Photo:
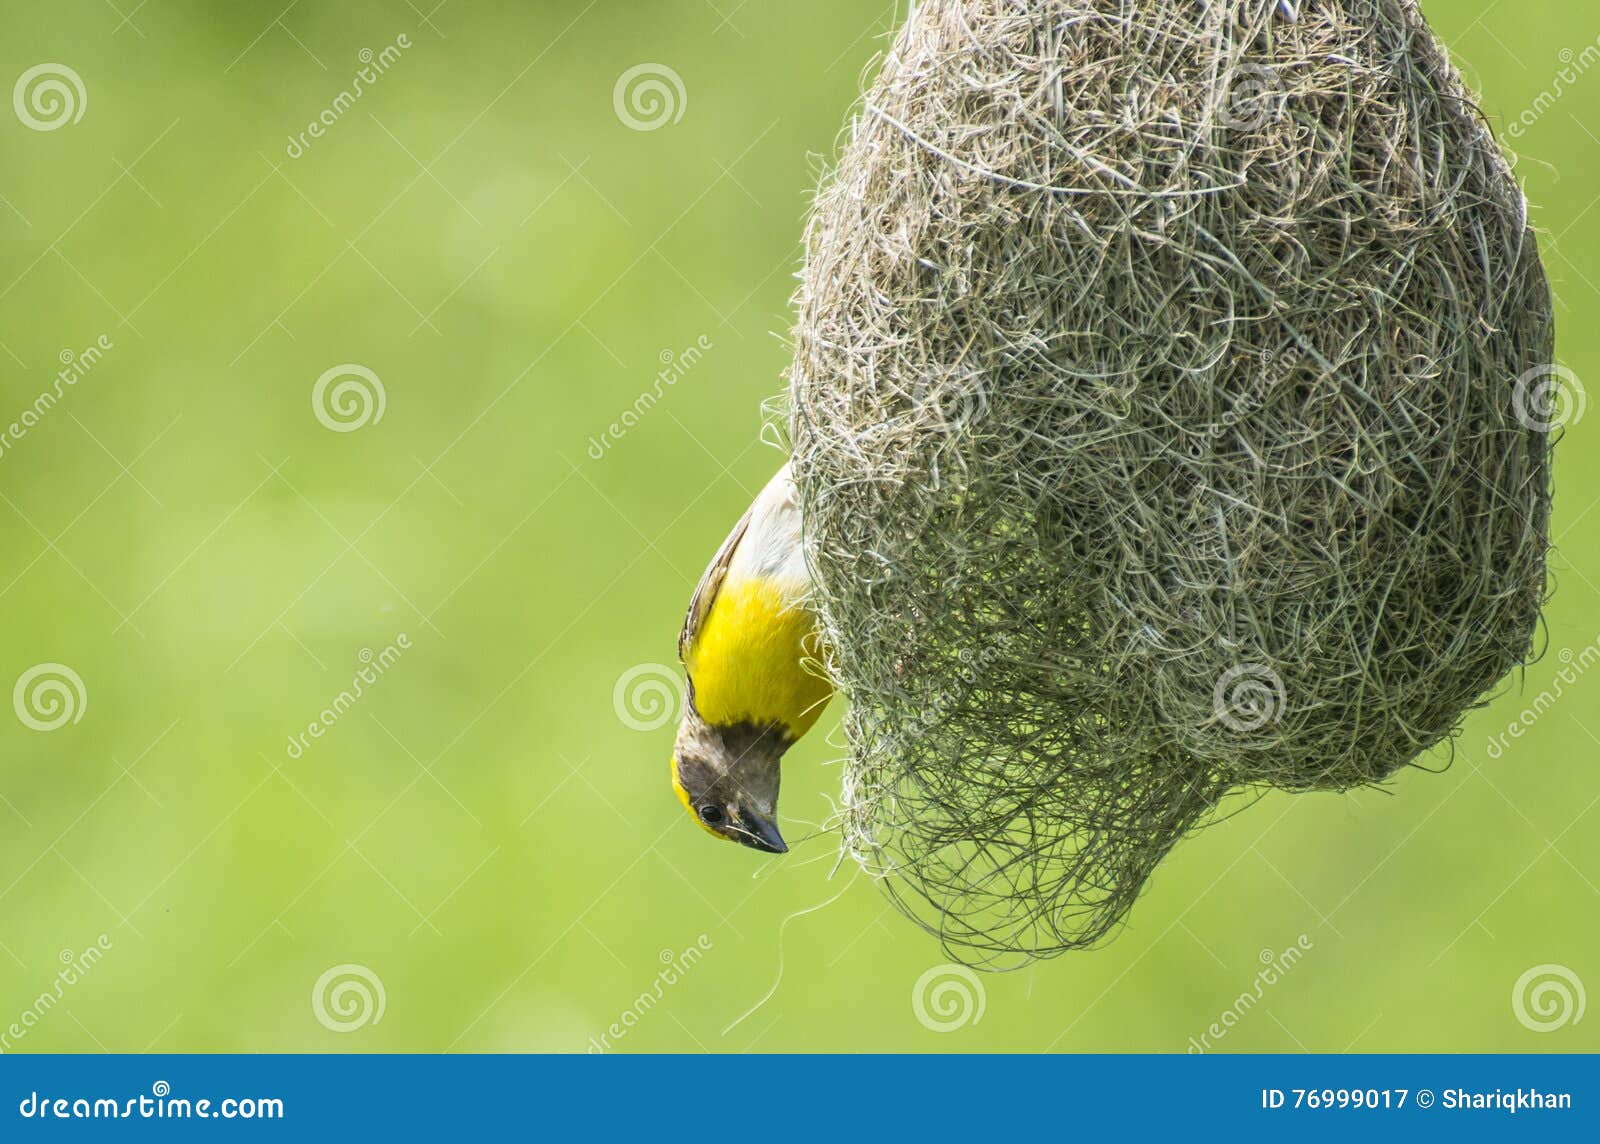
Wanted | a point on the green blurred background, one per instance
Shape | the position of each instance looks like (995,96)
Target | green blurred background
(482,831)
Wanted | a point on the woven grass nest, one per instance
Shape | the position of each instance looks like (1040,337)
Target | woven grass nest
(1165,414)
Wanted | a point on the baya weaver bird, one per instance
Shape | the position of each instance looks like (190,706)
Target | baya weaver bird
(749,644)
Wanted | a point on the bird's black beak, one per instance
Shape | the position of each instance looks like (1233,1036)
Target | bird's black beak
(758,833)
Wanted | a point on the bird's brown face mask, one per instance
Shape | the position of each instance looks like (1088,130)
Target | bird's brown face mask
(727,779)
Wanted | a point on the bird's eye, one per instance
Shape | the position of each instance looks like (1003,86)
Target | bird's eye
(711,815)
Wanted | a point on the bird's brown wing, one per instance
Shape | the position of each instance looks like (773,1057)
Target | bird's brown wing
(705,593)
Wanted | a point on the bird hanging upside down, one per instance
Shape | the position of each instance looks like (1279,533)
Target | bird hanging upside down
(749,644)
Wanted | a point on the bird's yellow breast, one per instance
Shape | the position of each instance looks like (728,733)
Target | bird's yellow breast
(748,662)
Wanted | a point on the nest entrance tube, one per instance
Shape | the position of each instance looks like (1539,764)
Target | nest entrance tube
(1165,414)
